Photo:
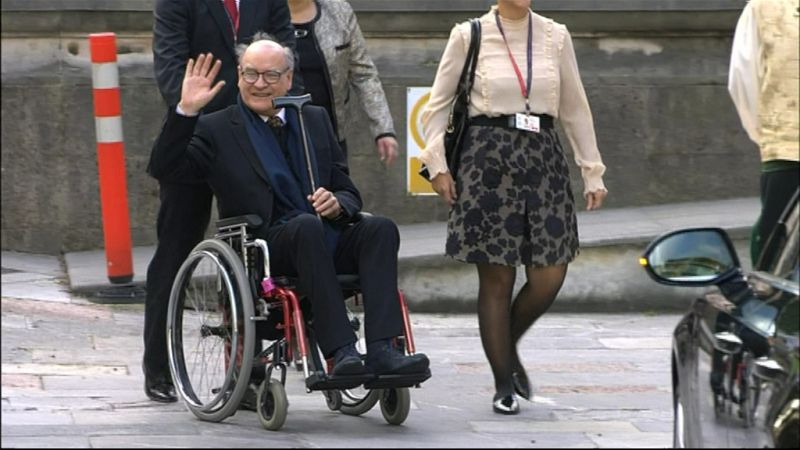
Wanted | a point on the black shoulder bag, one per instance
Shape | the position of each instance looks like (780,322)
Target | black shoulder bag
(459,111)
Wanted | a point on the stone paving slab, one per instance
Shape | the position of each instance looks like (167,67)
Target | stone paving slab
(28,418)
(130,429)
(88,383)
(46,442)
(519,426)
(71,373)
(65,369)
(39,277)
(31,263)
(631,440)
(189,441)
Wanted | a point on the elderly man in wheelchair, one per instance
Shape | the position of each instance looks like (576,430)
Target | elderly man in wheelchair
(290,209)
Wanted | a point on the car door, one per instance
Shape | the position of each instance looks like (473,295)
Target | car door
(745,357)
(716,346)
(735,354)
(769,327)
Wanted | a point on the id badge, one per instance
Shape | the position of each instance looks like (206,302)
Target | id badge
(527,122)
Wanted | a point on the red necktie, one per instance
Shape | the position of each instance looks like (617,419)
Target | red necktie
(233,12)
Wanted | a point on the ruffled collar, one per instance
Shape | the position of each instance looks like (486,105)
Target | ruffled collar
(510,23)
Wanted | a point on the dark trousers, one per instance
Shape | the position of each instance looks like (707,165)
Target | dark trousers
(368,248)
(777,189)
(182,221)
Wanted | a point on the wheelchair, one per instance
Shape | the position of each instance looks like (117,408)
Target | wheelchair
(224,305)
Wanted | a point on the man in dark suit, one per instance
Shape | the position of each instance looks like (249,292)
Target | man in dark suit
(184,29)
(313,234)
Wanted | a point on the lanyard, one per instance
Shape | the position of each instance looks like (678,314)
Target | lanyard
(525,88)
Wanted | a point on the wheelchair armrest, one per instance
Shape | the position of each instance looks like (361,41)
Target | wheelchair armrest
(251,220)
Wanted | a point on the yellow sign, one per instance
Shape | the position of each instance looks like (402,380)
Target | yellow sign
(416,98)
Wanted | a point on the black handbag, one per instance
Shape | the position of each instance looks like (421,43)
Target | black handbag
(459,111)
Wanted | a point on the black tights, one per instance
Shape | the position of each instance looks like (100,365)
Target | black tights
(502,323)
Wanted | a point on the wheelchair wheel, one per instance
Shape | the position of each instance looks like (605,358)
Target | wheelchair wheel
(272,404)
(210,337)
(395,405)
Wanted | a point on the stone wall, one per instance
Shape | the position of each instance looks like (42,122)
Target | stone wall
(654,70)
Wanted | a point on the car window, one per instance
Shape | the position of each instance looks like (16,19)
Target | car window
(757,313)
(775,289)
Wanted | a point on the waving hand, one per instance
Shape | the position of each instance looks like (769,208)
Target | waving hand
(197,89)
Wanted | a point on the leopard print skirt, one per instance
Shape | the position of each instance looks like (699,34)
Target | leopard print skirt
(514,205)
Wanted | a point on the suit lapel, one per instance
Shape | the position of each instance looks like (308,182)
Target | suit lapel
(223,21)
(241,136)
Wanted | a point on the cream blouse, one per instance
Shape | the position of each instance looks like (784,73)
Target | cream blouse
(556,88)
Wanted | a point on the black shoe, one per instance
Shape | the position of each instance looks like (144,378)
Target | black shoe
(347,361)
(384,359)
(521,384)
(505,404)
(160,389)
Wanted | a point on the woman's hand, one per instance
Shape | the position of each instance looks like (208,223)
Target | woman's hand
(387,149)
(594,199)
(444,185)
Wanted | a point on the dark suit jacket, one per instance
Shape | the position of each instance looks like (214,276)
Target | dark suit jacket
(216,148)
(185,28)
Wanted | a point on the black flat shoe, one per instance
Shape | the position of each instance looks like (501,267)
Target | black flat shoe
(160,390)
(347,361)
(384,359)
(521,385)
(505,404)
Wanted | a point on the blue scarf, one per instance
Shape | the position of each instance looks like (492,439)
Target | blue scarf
(289,179)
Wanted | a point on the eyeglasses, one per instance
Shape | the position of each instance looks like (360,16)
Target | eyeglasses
(270,76)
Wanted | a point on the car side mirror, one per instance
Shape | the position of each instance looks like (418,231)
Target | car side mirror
(691,257)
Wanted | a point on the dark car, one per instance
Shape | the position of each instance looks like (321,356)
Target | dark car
(735,354)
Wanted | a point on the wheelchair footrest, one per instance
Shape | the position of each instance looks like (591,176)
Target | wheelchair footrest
(397,381)
(319,382)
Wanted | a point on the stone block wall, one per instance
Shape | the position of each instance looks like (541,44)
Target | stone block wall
(655,72)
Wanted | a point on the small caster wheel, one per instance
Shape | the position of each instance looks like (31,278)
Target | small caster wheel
(272,404)
(333,398)
(395,404)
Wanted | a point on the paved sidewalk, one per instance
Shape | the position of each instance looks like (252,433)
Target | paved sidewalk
(71,372)
(71,378)
(604,277)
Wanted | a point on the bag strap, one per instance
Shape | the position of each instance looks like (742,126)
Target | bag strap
(468,72)
(472,55)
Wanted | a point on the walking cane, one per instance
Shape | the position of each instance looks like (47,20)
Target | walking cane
(297,102)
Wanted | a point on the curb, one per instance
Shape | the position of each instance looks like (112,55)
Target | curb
(605,277)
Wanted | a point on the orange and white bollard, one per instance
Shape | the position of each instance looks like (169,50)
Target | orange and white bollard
(111,157)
